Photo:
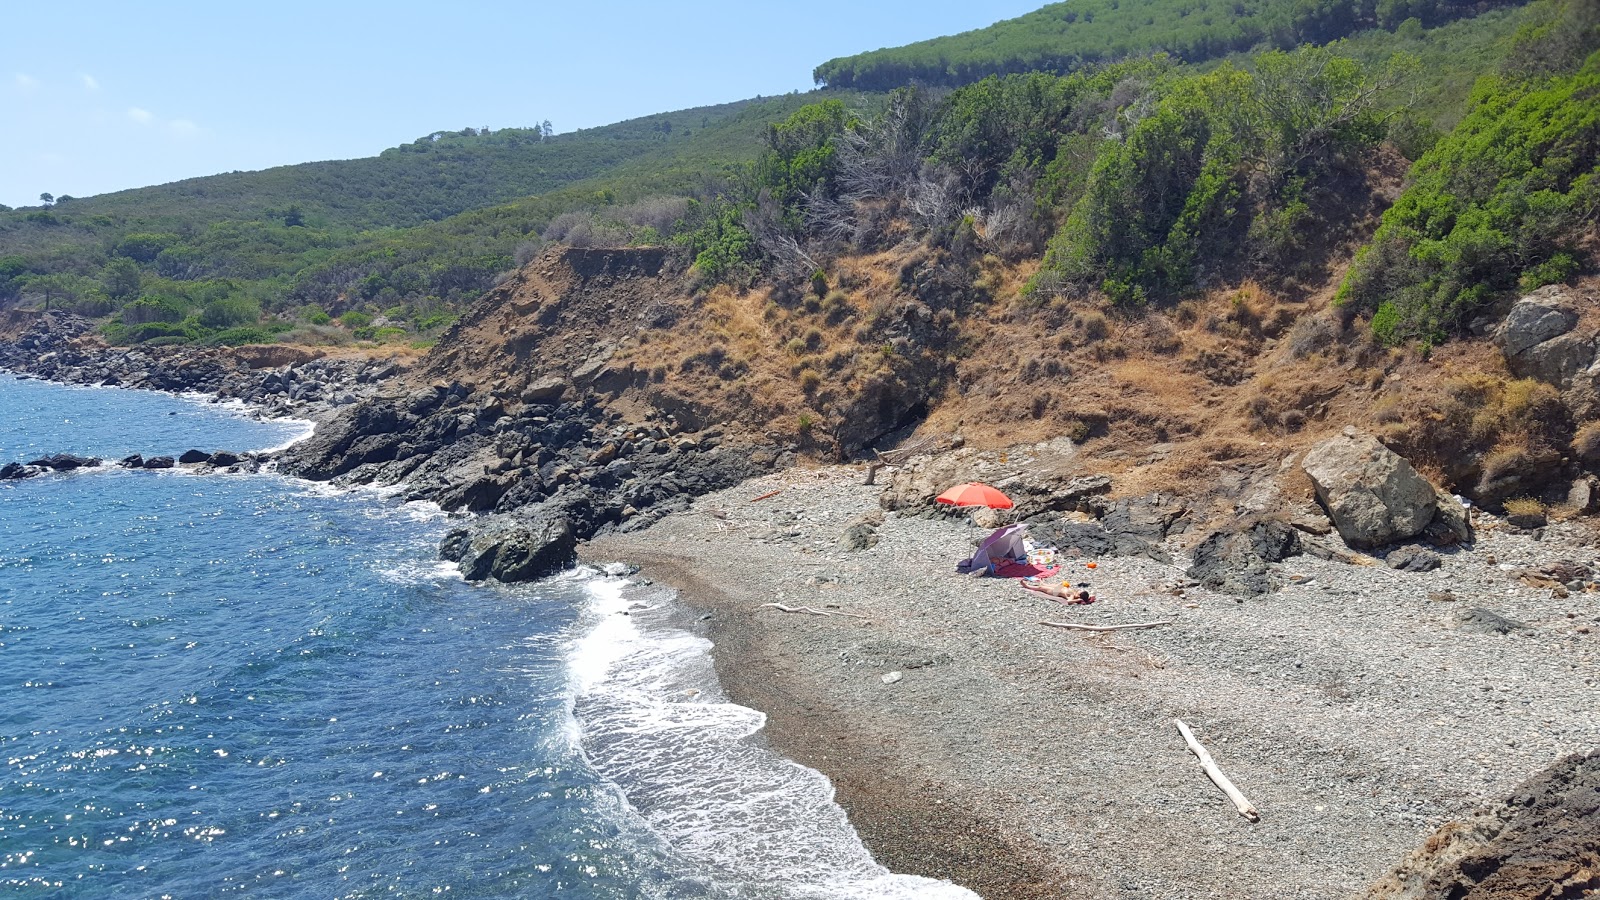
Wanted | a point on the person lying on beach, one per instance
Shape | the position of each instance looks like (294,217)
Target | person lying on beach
(1063,592)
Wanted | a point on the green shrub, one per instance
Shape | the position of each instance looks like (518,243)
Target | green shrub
(1555,270)
(355,320)
(1501,202)
(233,313)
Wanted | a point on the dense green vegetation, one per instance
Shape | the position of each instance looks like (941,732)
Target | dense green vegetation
(1062,37)
(1501,203)
(301,239)
(1141,181)
(1147,181)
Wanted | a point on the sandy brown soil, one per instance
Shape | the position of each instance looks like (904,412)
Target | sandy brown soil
(1024,761)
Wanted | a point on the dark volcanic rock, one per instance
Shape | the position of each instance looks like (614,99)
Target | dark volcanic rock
(1542,841)
(190,457)
(132,462)
(1087,538)
(368,432)
(223,458)
(15,471)
(65,462)
(510,549)
(1138,525)
(160,462)
(1237,560)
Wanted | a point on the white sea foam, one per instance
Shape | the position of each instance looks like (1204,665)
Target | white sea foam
(653,720)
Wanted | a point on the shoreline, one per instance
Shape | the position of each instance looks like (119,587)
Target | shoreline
(1022,762)
(908,828)
(680,616)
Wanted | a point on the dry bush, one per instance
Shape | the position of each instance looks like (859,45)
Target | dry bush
(1262,415)
(1163,339)
(1525,506)
(1388,410)
(1220,366)
(1586,443)
(1039,404)
(1092,327)
(810,381)
(836,307)
(812,339)
(1311,334)
(659,213)
(526,251)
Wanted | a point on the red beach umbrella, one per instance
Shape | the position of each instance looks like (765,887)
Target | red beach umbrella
(975,494)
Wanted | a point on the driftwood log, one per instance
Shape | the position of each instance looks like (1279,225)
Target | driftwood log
(1245,807)
(1076,627)
(811,610)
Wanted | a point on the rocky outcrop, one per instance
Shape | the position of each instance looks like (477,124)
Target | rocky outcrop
(66,462)
(1539,341)
(1541,841)
(279,380)
(546,471)
(1238,558)
(15,471)
(511,549)
(1374,496)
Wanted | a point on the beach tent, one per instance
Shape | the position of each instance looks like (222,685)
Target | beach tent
(1005,543)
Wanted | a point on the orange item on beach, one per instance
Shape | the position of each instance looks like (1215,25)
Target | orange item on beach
(1091,565)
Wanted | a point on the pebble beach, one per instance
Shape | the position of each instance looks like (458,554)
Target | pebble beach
(1358,708)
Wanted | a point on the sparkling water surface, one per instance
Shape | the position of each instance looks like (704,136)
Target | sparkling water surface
(250,685)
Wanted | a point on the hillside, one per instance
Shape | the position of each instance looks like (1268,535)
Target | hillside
(1062,37)
(410,233)
(434,177)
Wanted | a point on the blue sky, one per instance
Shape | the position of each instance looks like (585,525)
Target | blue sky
(101,96)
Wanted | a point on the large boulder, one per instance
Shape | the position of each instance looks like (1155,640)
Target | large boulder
(511,549)
(15,471)
(1541,316)
(66,462)
(1539,340)
(1372,494)
(372,431)
(549,389)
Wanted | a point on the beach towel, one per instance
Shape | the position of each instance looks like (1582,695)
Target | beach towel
(1025,570)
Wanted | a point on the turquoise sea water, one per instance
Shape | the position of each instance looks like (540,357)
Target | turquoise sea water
(250,685)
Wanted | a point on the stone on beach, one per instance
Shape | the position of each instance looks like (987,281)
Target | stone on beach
(1373,495)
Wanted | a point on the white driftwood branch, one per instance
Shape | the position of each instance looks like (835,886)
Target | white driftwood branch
(811,610)
(1244,806)
(1076,627)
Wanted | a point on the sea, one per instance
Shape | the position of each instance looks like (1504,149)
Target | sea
(250,685)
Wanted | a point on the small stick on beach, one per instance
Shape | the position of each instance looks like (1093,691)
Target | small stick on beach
(812,610)
(1244,806)
(1076,627)
(766,495)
